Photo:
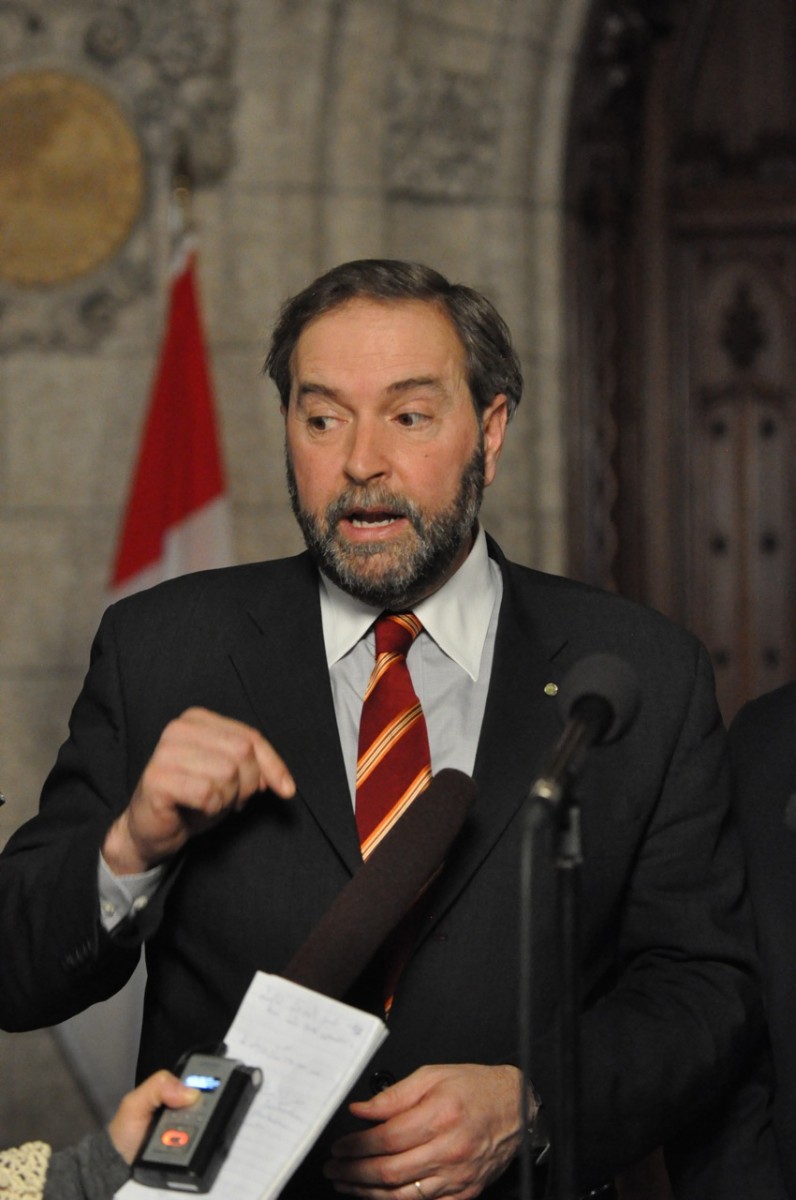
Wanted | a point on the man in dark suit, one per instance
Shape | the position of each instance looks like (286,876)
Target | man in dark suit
(763,757)
(212,756)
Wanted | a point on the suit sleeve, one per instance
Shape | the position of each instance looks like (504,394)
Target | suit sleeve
(763,756)
(55,957)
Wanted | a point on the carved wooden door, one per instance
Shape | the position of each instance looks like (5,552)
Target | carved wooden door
(683,260)
(739,380)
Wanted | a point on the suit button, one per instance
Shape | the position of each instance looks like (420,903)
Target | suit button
(380,1080)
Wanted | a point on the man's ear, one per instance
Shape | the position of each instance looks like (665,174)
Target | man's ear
(494,419)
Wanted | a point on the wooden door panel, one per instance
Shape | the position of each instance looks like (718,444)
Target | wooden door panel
(738,403)
(682,187)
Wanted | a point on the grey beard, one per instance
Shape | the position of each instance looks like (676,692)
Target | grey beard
(422,567)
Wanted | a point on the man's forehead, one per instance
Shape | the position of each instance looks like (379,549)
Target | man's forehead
(359,312)
(362,327)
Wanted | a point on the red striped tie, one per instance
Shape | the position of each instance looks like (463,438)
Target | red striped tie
(393,759)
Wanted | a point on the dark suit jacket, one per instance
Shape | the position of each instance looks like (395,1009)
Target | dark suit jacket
(763,756)
(668,982)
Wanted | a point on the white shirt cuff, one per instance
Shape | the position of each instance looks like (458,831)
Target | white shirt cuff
(122,895)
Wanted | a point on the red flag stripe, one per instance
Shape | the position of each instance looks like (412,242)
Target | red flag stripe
(179,468)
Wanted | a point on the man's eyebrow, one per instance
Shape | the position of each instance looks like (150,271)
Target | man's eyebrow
(419,381)
(309,388)
(316,389)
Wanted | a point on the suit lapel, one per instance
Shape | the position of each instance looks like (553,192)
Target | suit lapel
(520,722)
(280,659)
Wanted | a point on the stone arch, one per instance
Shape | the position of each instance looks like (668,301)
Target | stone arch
(466,172)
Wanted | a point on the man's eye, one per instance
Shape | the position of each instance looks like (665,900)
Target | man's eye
(320,424)
(412,419)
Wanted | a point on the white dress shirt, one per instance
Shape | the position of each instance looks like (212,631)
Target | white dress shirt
(450,661)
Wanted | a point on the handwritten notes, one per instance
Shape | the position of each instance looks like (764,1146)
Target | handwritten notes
(311,1050)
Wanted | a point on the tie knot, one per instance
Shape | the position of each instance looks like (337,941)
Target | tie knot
(395,632)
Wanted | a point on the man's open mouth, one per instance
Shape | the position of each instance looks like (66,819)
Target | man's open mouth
(371,520)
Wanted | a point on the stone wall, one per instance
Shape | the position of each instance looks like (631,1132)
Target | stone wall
(430,129)
(425,129)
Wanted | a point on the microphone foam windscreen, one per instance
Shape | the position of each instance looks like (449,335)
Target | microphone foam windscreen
(603,677)
(384,888)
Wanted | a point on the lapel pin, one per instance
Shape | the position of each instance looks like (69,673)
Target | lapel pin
(551,689)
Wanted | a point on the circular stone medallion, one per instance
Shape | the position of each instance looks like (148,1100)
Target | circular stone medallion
(71,177)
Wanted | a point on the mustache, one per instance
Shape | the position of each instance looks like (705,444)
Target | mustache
(373,499)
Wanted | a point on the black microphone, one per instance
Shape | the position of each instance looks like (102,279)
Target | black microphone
(384,888)
(599,699)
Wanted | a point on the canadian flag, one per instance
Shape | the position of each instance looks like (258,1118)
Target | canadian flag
(178,516)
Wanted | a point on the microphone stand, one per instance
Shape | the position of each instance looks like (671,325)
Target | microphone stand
(551,798)
(600,698)
(568,861)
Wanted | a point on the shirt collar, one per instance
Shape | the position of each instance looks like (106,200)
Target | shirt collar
(456,616)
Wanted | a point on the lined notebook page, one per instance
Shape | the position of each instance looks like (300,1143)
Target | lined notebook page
(311,1050)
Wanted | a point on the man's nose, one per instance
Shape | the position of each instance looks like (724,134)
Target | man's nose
(367,453)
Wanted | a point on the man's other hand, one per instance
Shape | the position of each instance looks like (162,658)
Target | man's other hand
(451,1130)
(203,767)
